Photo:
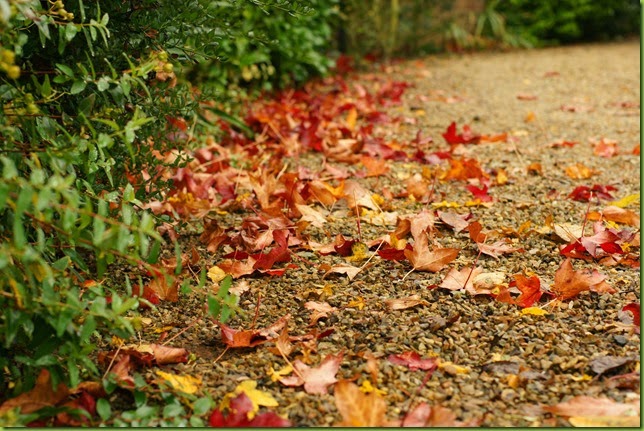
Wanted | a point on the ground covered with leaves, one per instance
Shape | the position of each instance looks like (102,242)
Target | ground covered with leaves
(446,241)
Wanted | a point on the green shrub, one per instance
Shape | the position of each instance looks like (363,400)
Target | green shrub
(564,21)
(90,96)
(275,45)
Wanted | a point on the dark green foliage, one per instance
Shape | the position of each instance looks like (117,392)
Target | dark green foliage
(91,92)
(564,21)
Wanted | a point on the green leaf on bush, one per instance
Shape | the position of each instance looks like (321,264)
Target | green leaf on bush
(70,31)
(78,86)
(103,409)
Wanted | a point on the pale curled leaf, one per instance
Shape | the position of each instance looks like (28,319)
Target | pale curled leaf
(404,303)
(319,309)
(315,380)
(583,405)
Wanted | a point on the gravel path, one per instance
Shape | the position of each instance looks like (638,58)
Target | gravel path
(505,365)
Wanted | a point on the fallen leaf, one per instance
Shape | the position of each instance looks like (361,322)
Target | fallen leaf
(461,280)
(626,201)
(357,408)
(252,337)
(616,214)
(606,421)
(349,270)
(530,290)
(497,249)
(282,372)
(424,415)
(311,215)
(605,148)
(184,383)
(424,259)
(526,96)
(241,415)
(562,143)
(585,406)
(456,221)
(404,303)
(634,308)
(535,168)
(535,311)
(40,396)
(315,380)
(413,361)
(257,397)
(320,310)
(603,363)
(579,171)
(453,138)
(569,283)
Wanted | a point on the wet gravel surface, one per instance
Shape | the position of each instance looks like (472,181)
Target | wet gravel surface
(512,363)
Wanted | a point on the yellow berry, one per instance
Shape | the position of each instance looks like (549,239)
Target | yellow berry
(32,109)
(69,17)
(13,72)
(168,68)
(59,5)
(163,56)
(8,56)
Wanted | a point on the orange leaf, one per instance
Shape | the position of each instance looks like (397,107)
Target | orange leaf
(357,408)
(252,337)
(425,260)
(605,148)
(616,214)
(569,283)
(579,171)
(42,395)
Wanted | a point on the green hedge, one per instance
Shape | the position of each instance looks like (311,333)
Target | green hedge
(90,92)
(551,22)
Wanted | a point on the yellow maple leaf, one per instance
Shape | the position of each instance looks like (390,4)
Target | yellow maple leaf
(535,311)
(582,378)
(359,251)
(216,274)
(451,368)
(445,204)
(626,201)
(186,383)
(368,388)
(257,397)
(357,303)
(276,375)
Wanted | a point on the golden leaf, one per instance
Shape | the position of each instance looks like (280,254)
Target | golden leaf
(626,201)
(535,311)
(187,383)
(276,375)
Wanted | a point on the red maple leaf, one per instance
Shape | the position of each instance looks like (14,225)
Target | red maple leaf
(413,361)
(480,193)
(241,407)
(453,138)
(584,193)
(530,290)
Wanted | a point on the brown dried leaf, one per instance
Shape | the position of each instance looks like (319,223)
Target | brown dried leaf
(404,303)
(425,260)
(320,310)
